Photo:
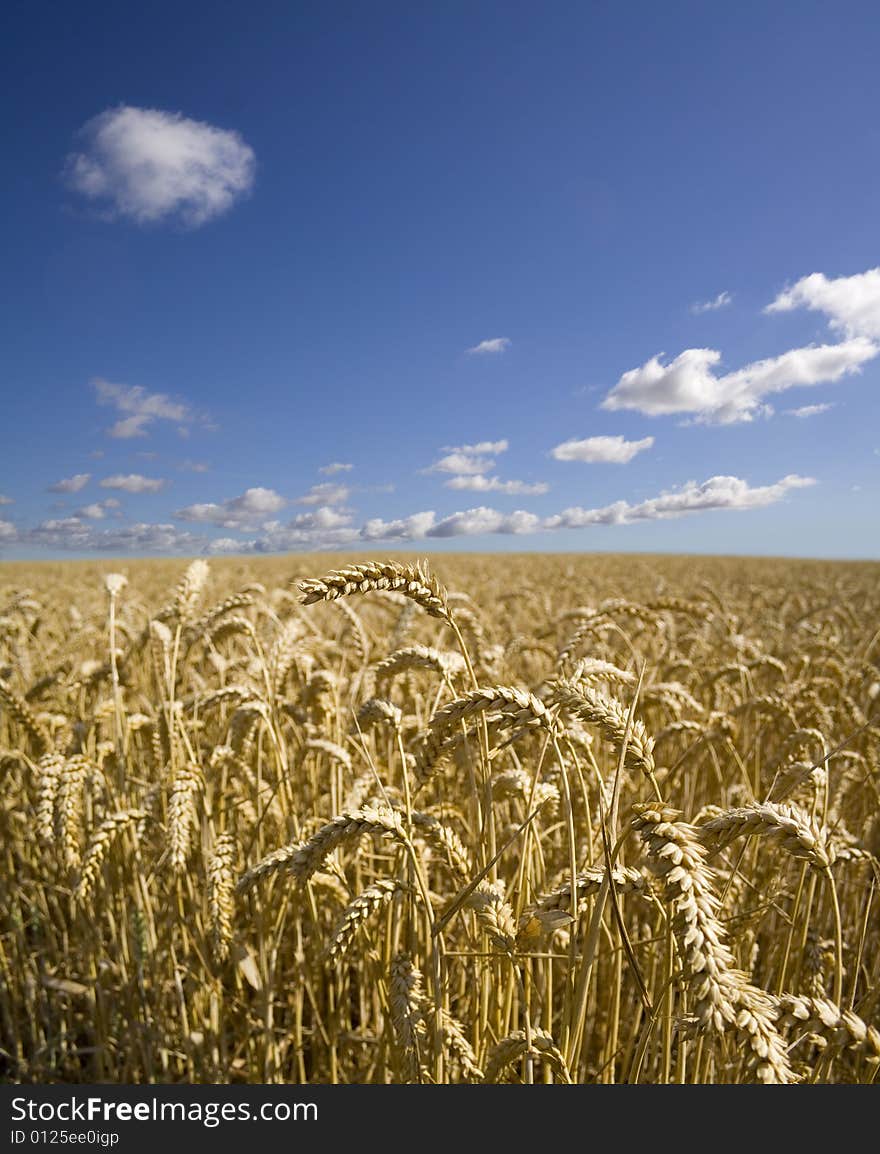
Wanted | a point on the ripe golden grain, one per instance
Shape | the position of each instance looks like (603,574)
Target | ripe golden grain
(488,866)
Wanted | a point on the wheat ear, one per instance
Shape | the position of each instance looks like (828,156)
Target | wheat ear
(302,859)
(413,581)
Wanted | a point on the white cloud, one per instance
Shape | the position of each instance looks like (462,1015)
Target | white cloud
(461,463)
(335,467)
(8,532)
(809,410)
(721,301)
(74,534)
(601,450)
(689,385)
(322,519)
(714,494)
(128,427)
(470,464)
(94,511)
(325,494)
(468,460)
(489,347)
(851,303)
(229,545)
(71,484)
(150,165)
(413,527)
(134,483)
(329,528)
(194,467)
(693,497)
(472,522)
(142,408)
(478,483)
(98,509)
(322,528)
(5,500)
(490,447)
(248,510)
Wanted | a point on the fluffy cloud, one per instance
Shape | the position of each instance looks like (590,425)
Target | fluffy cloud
(74,534)
(406,528)
(5,500)
(249,510)
(229,545)
(142,408)
(71,484)
(321,519)
(468,523)
(721,301)
(490,447)
(335,467)
(325,494)
(329,528)
(8,531)
(851,303)
(809,410)
(322,528)
(134,483)
(489,347)
(468,460)
(470,464)
(128,427)
(716,493)
(482,520)
(461,463)
(689,385)
(148,165)
(601,450)
(98,509)
(478,483)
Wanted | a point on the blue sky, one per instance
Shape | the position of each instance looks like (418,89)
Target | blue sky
(563,276)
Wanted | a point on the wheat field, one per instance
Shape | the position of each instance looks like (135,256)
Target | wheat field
(510,818)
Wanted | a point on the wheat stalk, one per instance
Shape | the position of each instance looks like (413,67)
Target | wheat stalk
(587,705)
(50,765)
(69,809)
(494,914)
(515,708)
(185,786)
(786,825)
(722,995)
(19,709)
(446,664)
(221,888)
(98,848)
(357,913)
(302,859)
(516,1045)
(406,999)
(413,581)
(839,1029)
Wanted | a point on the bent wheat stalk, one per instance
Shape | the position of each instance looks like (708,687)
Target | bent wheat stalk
(722,996)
